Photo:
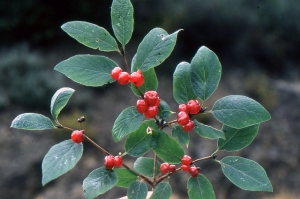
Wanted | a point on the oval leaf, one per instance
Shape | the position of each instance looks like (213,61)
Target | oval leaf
(137,190)
(61,158)
(122,20)
(90,35)
(208,131)
(32,121)
(182,136)
(246,174)
(145,166)
(125,177)
(162,191)
(200,188)
(88,70)
(237,139)
(205,72)
(182,86)
(59,100)
(154,49)
(127,122)
(239,111)
(98,182)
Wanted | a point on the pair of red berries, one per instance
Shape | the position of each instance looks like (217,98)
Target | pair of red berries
(149,105)
(184,111)
(166,168)
(112,161)
(186,166)
(123,78)
(77,136)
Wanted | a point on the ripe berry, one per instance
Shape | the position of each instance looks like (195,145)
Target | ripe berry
(118,161)
(116,72)
(137,78)
(194,171)
(109,162)
(164,168)
(186,160)
(141,106)
(151,112)
(172,168)
(151,98)
(183,107)
(185,168)
(77,136)
(124,78)
(182,118)
(157,102)
(189,126)
(194,107)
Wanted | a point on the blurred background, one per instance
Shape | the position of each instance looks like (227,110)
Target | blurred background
(258,45)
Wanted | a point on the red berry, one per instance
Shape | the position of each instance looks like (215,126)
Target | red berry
(189,126)
(157,102)
(116,72)
(185,168)
(186,160)
(194,107)
(77,136)
(118,161)
(141,106)
(194,171)
(151,98)
(182,118)
(182,107)
(172,168)
(137,78)
(151,112)
(109,162)
(164,168)
(124,78)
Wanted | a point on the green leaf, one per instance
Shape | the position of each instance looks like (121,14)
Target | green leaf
(182,136)
(162,191)
(61,158)
(139,142)
(90,35)
(32,121)
(239,111)
(88,70)
(150,83)
(137,190)
(207,131)
(98,182)
(59,101)
(205,72)
(182,86)
(164,110)
(127,122)
(236,139)
(167,148)
(154,49)
(200,188)
(122,20)
(246,174)
(145,166)
(125,177)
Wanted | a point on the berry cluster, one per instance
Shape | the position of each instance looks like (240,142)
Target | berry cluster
(112,161)
(166,168)
(77,136)
(149,105)
(186,166)
(123,78)
(184,111)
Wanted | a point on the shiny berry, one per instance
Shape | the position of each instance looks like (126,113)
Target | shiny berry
(182,118)
(164,168)
(124,78)
(172,168)
(157,102)
(189,126)
(116,72)
(151,112)
(109,162)
(194,171)
(185,168)
(194,107)
(137,78)
(77,136)
(186,160)
(183,107)
(118,161)
(141,106)
(151,98)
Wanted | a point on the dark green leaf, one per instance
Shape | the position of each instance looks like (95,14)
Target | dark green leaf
(145,166)
(246,174)
(200,188)
(137,190)
(207,131)
(88,70)
(90,35)
(182,86)
(205,72)
(236,139)
(127,122)
(59,101)
(32,121)
(164,110)
(125,177)
(239,111)
(122,20)
(61,158)
(182,136)
(150,83)
(162,191)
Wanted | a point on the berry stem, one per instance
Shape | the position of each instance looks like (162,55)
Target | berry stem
(205,158)
(141,94)
(126,63)
(97,146)
(64,127)
(154,170)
